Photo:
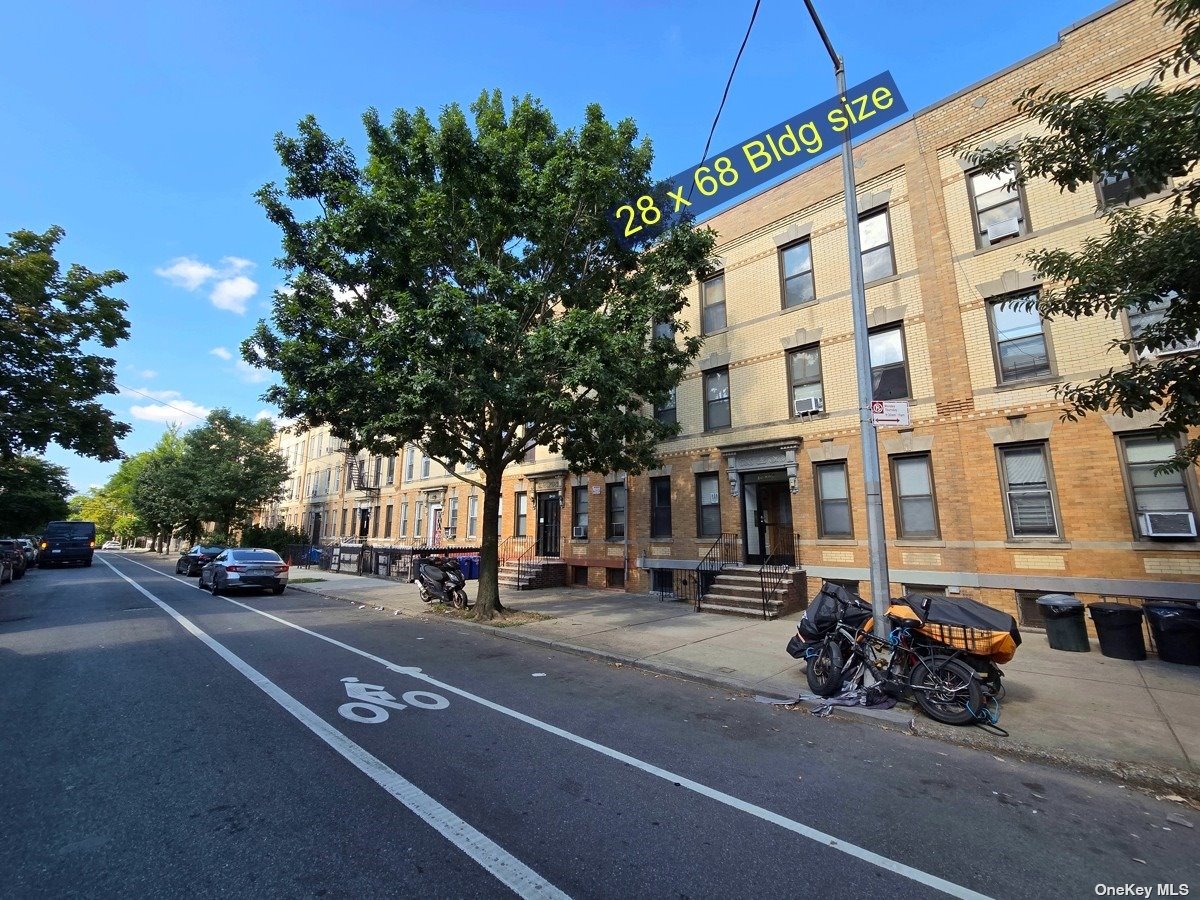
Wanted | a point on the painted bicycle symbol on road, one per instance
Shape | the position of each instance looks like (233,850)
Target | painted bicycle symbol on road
(369,703)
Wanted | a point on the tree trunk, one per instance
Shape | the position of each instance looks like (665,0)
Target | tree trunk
(487,600)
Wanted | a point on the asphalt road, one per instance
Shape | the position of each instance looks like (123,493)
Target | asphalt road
(157,741)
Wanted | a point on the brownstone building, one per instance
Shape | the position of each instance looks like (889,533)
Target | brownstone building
(989,493)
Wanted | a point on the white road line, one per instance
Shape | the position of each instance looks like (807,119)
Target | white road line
(509,870)
(812,834)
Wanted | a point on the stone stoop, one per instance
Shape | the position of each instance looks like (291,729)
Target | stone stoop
(538,573)
(738,592)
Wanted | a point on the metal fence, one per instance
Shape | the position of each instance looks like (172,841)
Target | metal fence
(368,559)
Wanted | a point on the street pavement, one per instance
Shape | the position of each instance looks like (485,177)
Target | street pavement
(1137,720)
(159,741)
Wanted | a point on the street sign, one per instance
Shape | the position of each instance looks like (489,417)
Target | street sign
(890,414)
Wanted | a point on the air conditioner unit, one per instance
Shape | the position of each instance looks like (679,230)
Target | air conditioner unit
(579,531)
(1004,229)
(807,406)
(1167,524)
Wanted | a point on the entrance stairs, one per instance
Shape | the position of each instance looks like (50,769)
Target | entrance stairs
(737,591)
(536,572)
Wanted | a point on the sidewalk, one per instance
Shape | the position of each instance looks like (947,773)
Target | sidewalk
(1138,721)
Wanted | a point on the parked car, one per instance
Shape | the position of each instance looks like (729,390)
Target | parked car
(111,545)
(67,542)
(6,569)
(197,558)
(29,548)
(245,568)
(16,556)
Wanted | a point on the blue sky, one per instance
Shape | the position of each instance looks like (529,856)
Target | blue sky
(144,128)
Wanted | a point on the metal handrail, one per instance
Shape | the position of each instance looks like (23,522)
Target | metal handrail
(523,561)
(719,555)
(773,573)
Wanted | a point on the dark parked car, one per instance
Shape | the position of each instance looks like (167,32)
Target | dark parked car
(245,568)
(16,556)
(67,542)
(196,559)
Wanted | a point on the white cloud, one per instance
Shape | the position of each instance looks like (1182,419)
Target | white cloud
(183,411)
(231,287)
(232,293)
(148,373)
(221,353)
(186,272)
(250,374)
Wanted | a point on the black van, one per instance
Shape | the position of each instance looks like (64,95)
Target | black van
(64,543)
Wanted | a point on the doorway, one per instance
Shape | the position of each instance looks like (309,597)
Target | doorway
(767,504)
(549,525)
(435,525)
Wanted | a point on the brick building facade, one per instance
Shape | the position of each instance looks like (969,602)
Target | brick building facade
(989,493)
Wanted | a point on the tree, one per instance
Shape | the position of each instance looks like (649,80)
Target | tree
(32,493)
(48,381)
(161,495)
(227,470)
(463,292)
(1148,265)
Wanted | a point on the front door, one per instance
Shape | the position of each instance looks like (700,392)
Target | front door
(775,522)
(549,508)
(435,526)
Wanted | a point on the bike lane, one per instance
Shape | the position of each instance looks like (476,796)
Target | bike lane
(624,795)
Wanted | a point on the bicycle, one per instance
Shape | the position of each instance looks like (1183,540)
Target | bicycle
(905,664)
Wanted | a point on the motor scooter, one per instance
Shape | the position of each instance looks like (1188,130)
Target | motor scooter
(440,580)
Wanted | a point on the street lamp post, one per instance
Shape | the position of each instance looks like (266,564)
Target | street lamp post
(876,539)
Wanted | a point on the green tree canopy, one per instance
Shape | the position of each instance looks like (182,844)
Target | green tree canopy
(32,493)
(227,470)
(462,291)
(1148,264)
(49,379)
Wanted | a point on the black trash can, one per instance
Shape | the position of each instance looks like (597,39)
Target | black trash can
(1065,628)
(1176,629)
(1119,628)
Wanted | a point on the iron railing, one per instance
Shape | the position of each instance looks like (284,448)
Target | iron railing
(722,552)
(523,561)
(776,567)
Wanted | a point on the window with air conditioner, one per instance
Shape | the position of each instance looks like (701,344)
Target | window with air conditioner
(1161,501)
(998,205)
(579,512)
(804,381)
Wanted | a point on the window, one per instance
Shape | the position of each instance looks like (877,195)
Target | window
(712,304)
(579,575)
(998,205)
(391,470)
(452,518)
(1029,497)
(889,371)
(579,511)
(1164,495)
(530,447)
(912,483)
(833,500)
(1029,613)
(660,507)
(666,411)
(378,471)
(387,522)
(343,532)
(804,377)
(418,518)
(472,515)
(424,465)
(614,578)
(616,511)
(1147,319)
(404,519)
(929,590)
(795,264)
(375,522)
(408,465)
(708,506)
(1119,185)
(875,242)
(716,399)
(522,500)
(665,330)
(1020,344)
(325,482)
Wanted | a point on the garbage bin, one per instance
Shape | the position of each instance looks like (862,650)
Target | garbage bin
(1065,628)
(1119,628)
(471,567)
(1176,629)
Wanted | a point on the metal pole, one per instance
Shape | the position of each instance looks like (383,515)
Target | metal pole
(876,538)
